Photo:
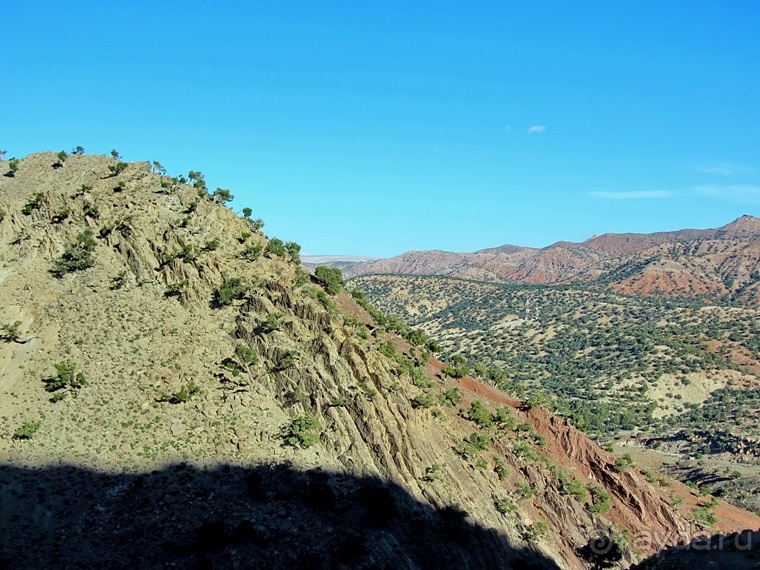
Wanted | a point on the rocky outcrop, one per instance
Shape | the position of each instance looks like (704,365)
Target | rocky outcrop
(198,349)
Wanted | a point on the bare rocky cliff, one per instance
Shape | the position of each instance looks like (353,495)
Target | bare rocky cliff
(174,389)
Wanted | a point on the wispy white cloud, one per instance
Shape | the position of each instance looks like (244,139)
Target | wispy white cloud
(746,193)
(723,168)
(537,129)
(632,195)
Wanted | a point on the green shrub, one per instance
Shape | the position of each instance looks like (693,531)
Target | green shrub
(576,489)
(524,490)
(623,462)
(2,214)
(451,398)
(60,215)
(362,331)
(324,299)
(501,469)
(276,247)
(419,378)
(252,252)
(303,431)
(301,278)
(539,399)
(704,517)
(106,230)
(199,182)
(188,253)
(211,245)
(12,168)
(27,430)
(505,418)
(175,289)
(601,501)
(90,210)
(331,277)
(119,281)
(285,362)
(539,439)
(271,323)
(537,531)
(479,414)
(76,256)
(649,476)
(417,337)
(524,450)
(423,401)
(182,395)
(9,332)
(388,349)
(117,168)
(247,355)
(32,204)
(66,376)
(433,473)
(506,506)
(712,503)
(222,195)
(458,368)
(294,251)
(473,445)
(231,289)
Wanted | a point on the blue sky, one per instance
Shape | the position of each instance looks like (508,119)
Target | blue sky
(372,128)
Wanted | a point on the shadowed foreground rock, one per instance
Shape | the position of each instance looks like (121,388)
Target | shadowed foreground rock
(735,551)
(233,517)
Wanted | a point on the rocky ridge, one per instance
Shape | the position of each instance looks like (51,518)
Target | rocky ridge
(717,262)
(200,348)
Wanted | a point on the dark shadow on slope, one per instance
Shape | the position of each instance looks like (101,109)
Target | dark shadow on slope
(735,551)
(234,517)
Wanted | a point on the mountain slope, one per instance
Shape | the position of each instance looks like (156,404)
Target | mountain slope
(718,262)
(149,331)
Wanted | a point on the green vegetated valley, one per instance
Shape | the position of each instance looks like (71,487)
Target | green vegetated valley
(679,374)
(176,390)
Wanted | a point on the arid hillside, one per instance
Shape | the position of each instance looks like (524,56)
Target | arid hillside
(722,262)
(678,374)
(176,391)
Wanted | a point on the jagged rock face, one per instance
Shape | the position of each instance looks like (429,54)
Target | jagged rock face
(176,370)
(722,261)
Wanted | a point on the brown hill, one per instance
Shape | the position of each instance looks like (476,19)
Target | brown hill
(176,391)
(721,262)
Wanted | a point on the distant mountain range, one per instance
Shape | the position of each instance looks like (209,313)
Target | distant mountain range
(343,262)
(723,261)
